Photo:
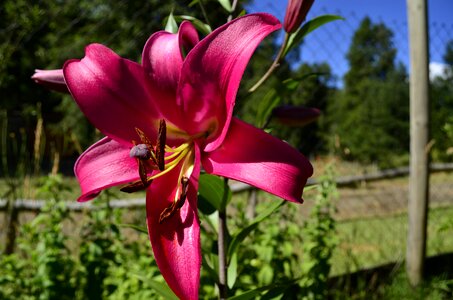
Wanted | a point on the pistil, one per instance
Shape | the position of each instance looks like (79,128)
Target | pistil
(163,159)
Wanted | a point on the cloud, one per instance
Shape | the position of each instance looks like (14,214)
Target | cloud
(437,69)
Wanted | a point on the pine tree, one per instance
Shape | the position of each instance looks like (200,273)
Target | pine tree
(441,108)
(370,116)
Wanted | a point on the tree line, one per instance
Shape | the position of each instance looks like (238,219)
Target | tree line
(366,119)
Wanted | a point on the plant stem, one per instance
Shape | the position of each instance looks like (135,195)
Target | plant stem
(233,8)
(222,245)
(203,11)
(222,257)
(274,65)
(12,226)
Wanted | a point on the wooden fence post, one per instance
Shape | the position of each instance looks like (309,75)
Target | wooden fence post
(419,134)
(12,224)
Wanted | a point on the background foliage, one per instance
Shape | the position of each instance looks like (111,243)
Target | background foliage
(365,119)
(373,98)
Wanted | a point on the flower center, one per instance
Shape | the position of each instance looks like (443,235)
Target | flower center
(163,159)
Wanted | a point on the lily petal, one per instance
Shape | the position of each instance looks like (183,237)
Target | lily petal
(162,56)
(105,164)
(253,156)
(162,60)
(212,72)
(112,92)
(176,241)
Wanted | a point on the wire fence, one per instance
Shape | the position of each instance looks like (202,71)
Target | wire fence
(371,213)
(330,43)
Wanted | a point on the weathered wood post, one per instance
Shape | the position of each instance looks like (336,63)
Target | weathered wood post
(12,224)
(419,124)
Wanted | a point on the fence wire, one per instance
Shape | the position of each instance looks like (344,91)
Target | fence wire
(371,216)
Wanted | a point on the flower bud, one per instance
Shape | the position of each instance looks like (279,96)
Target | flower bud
(296,116)
(51,79)
(296,11)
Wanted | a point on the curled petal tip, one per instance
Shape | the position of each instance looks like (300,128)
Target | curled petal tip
(103,165)
(51,79)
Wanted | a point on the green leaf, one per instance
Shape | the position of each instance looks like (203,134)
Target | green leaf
(293,83)
(211,271)
(205,206)
(135,227)
(232,270)
(171,25)
(310,187)
(269,102)
(275,293)
(159,287)
(265,274)
(227,5)
(243,233)
(212,190)
(249,294)
(194,2)
(162,289)
(242,13)
(297,37)
(201,27)
(210,219)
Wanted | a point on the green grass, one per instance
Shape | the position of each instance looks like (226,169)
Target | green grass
(370,242)
(30,188)
(435,288)
(394,287)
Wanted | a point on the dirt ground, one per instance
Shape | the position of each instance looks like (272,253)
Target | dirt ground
(388,197)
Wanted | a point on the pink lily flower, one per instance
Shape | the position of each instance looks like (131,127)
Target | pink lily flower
(164,119)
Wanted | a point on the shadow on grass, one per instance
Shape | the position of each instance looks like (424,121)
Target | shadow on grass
(389,281)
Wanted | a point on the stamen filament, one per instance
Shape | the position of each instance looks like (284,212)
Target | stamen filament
(181,155)
(186,171)
(171,165)
(176,151)
(172,156)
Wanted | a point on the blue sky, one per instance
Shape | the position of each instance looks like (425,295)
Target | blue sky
(439,10)
(331,43)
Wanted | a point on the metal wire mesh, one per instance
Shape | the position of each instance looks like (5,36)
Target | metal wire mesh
(372,216)
(372,223)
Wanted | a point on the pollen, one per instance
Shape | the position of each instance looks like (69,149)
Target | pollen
(158,159)
(140,151)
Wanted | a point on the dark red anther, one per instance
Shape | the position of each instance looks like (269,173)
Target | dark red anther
(140,151)
(160,145)
(136,186)
(175,206)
